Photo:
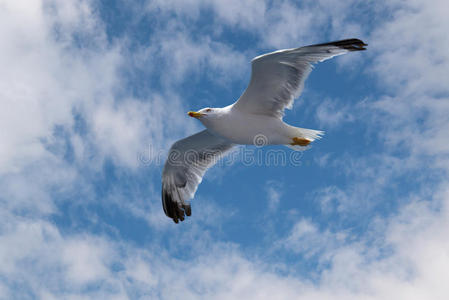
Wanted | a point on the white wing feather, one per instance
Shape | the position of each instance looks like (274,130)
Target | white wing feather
(187,161)
(277,78)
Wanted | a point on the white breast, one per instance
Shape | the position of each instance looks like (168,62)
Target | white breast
(244,128)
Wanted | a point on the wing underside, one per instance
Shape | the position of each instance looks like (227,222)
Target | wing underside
(187,161)
(277,78)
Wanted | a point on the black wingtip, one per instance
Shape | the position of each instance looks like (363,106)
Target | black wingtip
(187,209)
(172,209)
(348,44)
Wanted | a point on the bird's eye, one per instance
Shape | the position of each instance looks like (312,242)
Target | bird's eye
(208,110)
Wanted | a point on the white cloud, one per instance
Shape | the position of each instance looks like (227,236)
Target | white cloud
(31,191)
(84,260)
(47,76)
(323,160)
(412,66)
(279,24)
(244,14)
(183,56)
(36,88)
(333,198)
(274,193)
(412,266)
(330,114)
(37,257)
(305,238)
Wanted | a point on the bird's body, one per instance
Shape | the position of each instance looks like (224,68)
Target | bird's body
(245,128)
(255,118)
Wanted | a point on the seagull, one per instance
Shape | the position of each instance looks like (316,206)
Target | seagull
(277,78)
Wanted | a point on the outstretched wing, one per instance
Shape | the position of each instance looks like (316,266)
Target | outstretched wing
(277,78)
(187,161)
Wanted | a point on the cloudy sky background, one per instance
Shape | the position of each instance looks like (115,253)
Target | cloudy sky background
(94,92)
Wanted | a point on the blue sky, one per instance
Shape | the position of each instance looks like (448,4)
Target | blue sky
(95,92)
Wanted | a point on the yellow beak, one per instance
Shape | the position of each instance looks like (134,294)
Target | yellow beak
(195,114)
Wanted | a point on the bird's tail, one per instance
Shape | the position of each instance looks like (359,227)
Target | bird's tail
(302,137)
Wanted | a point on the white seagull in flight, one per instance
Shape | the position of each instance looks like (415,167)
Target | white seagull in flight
(277,78)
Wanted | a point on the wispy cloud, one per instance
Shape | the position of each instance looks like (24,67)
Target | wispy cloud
(330,114)
(274,193)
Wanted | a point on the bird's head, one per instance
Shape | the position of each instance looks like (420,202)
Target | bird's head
(205,113)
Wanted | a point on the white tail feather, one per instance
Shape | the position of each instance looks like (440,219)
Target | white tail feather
(309,134)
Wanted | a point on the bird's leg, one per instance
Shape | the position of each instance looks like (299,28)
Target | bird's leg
(298,141)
